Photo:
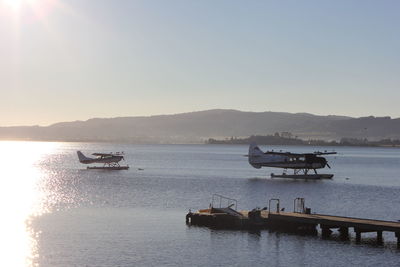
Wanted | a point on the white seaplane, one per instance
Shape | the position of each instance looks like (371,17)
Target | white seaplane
(110,160)
(300,163)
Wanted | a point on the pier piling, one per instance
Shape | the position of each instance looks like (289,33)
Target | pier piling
(326,231)
(358,236)
(379,238)
(398,239)
(344,233)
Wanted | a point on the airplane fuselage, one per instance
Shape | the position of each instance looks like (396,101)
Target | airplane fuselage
(104,159)
(289,165)
(258,159)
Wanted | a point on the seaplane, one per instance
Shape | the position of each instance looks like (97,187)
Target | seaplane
(110,161)
(300,163)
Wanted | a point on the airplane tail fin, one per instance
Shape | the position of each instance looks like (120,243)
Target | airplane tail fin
(254,154)
(82,158)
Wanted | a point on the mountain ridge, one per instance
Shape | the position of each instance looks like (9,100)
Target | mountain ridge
(198,126)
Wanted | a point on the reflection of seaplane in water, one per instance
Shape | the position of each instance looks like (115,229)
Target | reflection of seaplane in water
(300,163)
(110,160)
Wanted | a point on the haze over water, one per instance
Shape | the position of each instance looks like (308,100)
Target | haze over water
(57,213)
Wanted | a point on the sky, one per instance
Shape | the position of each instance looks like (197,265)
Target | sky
(66,60)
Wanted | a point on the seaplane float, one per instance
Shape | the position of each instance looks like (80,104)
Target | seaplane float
(110,161)
(300,163)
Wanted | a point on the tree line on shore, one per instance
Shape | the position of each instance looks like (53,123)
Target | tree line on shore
(286,138)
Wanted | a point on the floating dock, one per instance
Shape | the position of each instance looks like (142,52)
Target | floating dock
(299,221)
(303,176)
(112,168)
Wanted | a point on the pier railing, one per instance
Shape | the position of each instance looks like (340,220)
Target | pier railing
(298,205)
(220,199)
(276,200)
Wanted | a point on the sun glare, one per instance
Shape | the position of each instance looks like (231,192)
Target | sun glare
(20,199)
(17,4)
(14,4)
(27,8)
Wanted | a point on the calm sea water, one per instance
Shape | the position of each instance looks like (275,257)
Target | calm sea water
(57,213)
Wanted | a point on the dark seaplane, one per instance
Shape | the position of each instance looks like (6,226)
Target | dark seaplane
(110,161)
(300,163)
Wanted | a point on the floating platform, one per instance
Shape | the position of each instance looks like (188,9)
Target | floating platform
(303,176)
(299,221)
(114,168)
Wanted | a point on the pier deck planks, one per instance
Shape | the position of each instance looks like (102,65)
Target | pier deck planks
(329,220)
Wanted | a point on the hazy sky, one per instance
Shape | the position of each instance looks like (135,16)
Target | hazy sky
(64,60)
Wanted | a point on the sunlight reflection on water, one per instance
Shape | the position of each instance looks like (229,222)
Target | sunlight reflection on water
(57,213)
(21,197)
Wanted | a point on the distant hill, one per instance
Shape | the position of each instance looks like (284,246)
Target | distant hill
(196,127)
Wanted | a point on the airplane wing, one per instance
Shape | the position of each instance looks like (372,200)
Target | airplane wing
(325,153)
(299,155)
(102,154)
(287,154)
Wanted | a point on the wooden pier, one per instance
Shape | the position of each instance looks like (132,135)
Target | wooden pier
(300,220)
